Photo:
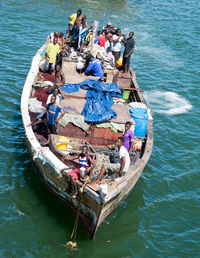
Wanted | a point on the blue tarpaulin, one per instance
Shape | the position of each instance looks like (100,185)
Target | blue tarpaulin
(69,87)
(99,100)
(101,86)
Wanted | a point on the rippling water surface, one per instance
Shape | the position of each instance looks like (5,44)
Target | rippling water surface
(160,218)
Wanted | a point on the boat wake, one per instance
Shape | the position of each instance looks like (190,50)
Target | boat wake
(167,102)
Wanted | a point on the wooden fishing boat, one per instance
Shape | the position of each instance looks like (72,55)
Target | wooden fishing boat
(96,204)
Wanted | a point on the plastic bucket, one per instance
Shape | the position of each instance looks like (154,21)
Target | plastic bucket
(141,121)
(126,94)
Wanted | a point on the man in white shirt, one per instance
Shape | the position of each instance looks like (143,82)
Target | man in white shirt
(57,95)
(121,167)
(117,39)
(109,45)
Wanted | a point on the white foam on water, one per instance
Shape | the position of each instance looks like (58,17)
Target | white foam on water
(167,102)
(162,54)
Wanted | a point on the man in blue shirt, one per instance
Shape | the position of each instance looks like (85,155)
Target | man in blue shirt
(95,67)
(52,114)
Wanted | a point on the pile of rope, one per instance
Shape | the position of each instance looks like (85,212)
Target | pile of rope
(100,160)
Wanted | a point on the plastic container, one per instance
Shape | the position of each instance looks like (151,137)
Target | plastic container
(63,138)
(126,94)
(61,146)
(141,121)
(62,143)
(119,62)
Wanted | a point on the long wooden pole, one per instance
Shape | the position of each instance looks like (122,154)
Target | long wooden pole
(95,26)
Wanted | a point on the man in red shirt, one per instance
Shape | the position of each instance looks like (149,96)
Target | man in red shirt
(102,40)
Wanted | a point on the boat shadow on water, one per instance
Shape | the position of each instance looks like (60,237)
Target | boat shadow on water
(63,219)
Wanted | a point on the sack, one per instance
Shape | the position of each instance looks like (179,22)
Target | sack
(44,66)
(114,157)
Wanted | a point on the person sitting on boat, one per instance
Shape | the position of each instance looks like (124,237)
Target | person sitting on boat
(95,67)
(53,111)
(119,168)
(52,51)
(128,50)
(40,128)
(57,95)
(85,161)
(128,137)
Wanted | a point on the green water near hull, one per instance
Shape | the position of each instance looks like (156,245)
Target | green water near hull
(160,218)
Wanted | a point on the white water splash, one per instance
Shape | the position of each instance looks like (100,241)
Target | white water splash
(167,102)
(20,212)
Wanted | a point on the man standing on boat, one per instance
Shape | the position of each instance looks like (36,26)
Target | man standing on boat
(59,80)
(129,47)
(117,39)
(52,115)
(52,50)
(128,137)
(120,168)
(77,29)
(59,77)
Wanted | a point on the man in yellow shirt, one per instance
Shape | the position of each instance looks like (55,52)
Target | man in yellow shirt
(72,18)
(72,24)
(52,51)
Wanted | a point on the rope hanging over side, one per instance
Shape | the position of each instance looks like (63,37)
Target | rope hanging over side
(73,243)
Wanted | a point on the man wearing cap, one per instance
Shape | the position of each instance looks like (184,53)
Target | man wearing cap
(95,67)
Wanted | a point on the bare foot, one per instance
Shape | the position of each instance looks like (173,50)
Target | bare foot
(75,195)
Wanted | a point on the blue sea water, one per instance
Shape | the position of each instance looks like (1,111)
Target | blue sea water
(160,218)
